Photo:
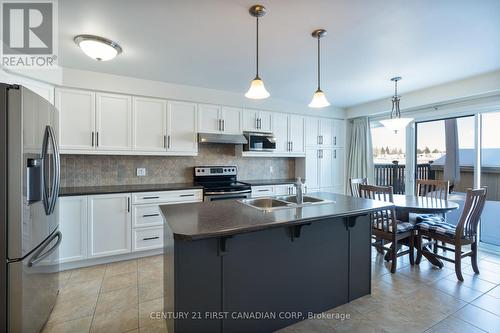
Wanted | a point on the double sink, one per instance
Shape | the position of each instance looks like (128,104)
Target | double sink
(289,201)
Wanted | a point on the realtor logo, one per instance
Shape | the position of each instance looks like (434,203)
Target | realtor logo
(29,33)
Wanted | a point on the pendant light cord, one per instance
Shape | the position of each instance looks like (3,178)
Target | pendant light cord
(257,48)
(319,64)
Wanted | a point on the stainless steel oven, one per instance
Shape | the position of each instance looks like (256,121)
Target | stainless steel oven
(220,183)
(260,142)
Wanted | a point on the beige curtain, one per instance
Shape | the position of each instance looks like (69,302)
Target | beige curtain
(360,156)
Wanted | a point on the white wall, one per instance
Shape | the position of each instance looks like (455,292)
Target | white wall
(473,88)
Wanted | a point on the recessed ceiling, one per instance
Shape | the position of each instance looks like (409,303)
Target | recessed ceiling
(212,43)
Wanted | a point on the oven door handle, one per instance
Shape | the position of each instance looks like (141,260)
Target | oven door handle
(233,192)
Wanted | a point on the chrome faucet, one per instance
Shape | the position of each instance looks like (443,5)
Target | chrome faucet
(298,187)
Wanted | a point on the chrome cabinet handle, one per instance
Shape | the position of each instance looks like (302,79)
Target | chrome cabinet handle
(223,125)
(128,205)
(319,140)
(146,198)
(168,141)
(335,153)
(164,141)
(92,135)
(186,195)
(335,140)
(97,139)
(219,124)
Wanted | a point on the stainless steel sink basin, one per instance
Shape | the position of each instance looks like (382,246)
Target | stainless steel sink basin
(282,202)
(306,199)
(265,203)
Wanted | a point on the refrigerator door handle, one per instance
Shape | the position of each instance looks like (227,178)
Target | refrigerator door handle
(50,205)
(57,170)
(40,254)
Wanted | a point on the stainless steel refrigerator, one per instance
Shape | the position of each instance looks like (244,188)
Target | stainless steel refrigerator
(29,188)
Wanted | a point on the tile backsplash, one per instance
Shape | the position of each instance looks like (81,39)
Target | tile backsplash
(93,170)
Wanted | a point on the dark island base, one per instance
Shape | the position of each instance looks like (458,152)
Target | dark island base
(280,274)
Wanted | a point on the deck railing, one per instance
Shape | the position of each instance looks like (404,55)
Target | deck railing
(393,174)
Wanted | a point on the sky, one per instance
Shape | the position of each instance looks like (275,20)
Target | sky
(432,134)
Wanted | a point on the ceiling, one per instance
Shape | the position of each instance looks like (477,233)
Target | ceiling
(212,43)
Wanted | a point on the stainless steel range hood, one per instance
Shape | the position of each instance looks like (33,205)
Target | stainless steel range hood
(235,139)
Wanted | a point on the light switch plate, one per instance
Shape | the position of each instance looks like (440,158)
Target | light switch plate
(141,172)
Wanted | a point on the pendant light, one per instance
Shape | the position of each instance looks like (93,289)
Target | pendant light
(396,123)
(257,89)
(319,98)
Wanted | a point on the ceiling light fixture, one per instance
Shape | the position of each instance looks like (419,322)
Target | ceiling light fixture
(257,89)
(98,48)
(396,123)
(319,98)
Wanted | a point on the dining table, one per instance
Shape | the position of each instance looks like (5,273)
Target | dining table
(407,204)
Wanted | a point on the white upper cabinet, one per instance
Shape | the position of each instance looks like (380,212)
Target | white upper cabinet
(280,131)
(257,121)
(209,118)
(339,133)
(231,120)
(150,124)
(113,122)
(319,132)
(296,134)
(109,229)
(312,131)
(181,133)
(76,119)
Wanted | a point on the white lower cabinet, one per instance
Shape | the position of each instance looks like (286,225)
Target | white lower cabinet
(73,225)
(109,224)
(262,191)
(147,238)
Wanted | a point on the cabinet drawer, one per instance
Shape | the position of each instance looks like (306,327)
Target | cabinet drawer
(262,191)
(146,216)
(147,238)
(194,195)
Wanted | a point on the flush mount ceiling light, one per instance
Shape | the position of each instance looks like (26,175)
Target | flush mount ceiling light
(257,89)
(396,123)
(98,48)
(319,98)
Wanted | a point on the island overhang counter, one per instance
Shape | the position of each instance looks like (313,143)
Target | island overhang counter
(230,267)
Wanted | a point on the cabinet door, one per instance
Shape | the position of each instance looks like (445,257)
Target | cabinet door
(250,120)
(114,122)
(265,121)
(326,168)
(109,224)
(339,133)
(73,226)
(209,118)
(150,124)
(76,119)
(339,167)
(280,131)
(231,120)
(312,168)
(312,131)
(326,132)
(296,133)
(181,136)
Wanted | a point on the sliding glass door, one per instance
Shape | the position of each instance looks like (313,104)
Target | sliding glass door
(490,177)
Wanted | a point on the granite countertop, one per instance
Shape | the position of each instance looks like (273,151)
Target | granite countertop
(89,190)
(229,217)
(260,182)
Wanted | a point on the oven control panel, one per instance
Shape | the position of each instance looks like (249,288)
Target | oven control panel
(231,170)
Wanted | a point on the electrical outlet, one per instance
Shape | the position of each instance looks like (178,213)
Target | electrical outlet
(141,172)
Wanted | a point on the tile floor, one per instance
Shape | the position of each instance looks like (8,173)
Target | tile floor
(119,297)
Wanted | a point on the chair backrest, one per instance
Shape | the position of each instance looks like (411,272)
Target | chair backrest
(437,189)
(354,185)
(473,207)
(384,219)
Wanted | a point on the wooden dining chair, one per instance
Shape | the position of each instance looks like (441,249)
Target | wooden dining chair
(464,233)
(386,227)
(433,188)
(354,185)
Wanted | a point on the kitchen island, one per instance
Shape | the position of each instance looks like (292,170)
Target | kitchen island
(230,267)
